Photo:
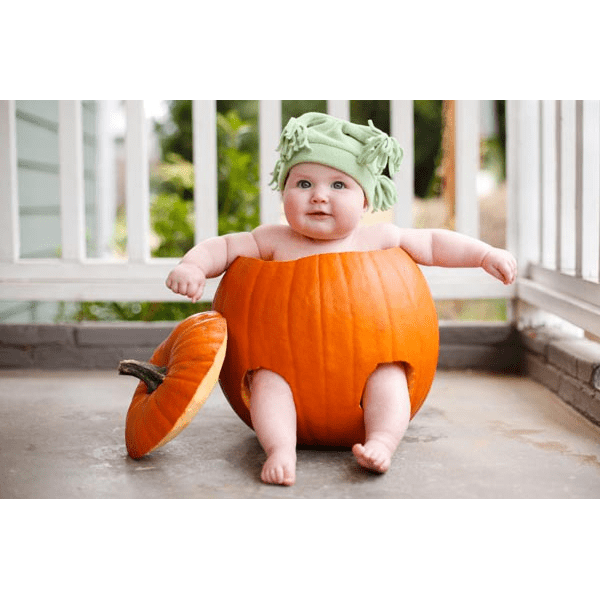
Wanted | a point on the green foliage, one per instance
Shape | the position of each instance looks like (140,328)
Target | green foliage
(295,108)
(238,175)
(428,146)
(472,310)
(171,211)
(131,311)
(176,135)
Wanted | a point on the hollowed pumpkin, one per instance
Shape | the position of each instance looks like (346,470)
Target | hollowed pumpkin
(176,382)
(324,323)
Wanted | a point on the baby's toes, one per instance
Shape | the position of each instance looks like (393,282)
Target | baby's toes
(375,455)
(278,475)
(269,474)
(381,462)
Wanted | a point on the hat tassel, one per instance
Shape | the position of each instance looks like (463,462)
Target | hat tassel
(381,150)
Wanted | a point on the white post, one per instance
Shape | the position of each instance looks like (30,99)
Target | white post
(512,177)
(339,109)
(548,183)
(402,128)
(269,133)
(578,188)
(566,212)
(204,118)
(467,167)
(138,186)
(590,201)
(528,211)
(106,181)
(522,189)
(72,197)
(9,195)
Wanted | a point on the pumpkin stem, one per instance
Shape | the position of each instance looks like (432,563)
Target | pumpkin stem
(150,374)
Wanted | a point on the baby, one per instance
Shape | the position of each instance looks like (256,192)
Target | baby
(330,173)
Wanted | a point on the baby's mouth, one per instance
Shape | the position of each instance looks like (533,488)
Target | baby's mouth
(319,213)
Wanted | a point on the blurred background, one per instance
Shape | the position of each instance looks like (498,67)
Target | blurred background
(172,183)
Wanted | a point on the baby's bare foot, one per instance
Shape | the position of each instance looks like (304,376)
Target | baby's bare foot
(374,455)
(280,469)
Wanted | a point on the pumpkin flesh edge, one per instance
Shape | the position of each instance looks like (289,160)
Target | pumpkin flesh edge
(152,416)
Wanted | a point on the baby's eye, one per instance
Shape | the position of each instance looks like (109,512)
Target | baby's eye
(338,185)
(304,184)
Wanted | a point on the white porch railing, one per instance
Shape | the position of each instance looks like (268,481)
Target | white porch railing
(553,173)
(552,221)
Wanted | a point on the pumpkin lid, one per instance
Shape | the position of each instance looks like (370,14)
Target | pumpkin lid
(175,383)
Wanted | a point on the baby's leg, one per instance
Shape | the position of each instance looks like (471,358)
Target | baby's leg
(386,406)
(274,420)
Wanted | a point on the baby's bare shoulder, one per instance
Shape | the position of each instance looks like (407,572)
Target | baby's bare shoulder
(380,236)
(271,237)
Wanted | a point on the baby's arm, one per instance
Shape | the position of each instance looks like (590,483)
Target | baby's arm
(209,258)
(444,248)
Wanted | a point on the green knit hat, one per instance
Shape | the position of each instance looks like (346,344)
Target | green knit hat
(360,151)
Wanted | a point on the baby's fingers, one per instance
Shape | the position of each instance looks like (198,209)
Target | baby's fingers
(495,272)
(499,271)
(179,287)
(508,272)
(197,296)
(175,284)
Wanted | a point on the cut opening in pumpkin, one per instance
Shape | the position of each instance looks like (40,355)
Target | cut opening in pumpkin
(247,382)
(245,387)
(408,370)
(324,322)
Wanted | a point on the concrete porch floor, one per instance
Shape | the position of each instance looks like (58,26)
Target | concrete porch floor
(477,436)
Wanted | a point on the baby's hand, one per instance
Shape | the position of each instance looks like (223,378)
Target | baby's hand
(501,264)
(188,280)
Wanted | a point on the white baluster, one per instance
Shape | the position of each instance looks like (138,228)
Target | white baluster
(566,206)
(467,167)
(72,198)
(402,128)
(548,179)
(270,131)
(589,222)
(339,109)
(9,193)
(138,193)
(204,115)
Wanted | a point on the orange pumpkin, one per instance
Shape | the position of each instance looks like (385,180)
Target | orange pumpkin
(175,383)
(324,323)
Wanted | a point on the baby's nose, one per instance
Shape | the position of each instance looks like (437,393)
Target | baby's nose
(319,195)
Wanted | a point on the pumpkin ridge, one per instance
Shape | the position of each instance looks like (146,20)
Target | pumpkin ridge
(301,271)
(347,342)
(382,284)
(418,391)
(321,282)
(274,283)
(288,327)
(143,426)
(250,358)
(355,340)
(193,353)
(167,404)
(199,397)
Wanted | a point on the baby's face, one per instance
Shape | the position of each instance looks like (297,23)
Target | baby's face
(321,202)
